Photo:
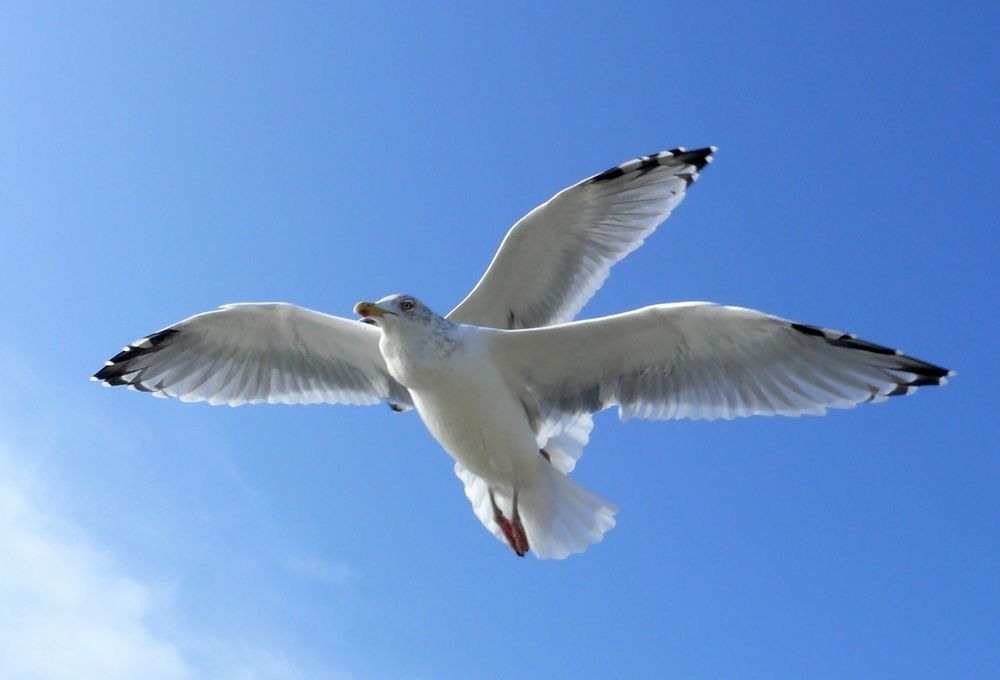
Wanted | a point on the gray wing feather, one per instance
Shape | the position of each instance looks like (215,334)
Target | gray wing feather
(251,353)
(701,361)
(556,257)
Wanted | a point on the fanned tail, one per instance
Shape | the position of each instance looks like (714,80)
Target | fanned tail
(560,516)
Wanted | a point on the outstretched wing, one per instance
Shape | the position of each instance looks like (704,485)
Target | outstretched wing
(251,353)
(556,257)
(699,360)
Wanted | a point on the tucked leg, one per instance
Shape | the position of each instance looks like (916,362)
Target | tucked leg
(512,531)
(520,536)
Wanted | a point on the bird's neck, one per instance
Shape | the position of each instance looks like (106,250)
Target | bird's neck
(417,357)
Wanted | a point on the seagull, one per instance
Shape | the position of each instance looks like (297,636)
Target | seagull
(507,382)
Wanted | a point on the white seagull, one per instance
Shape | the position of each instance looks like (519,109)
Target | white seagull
(506,382)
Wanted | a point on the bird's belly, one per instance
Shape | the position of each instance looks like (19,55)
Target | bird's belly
(482,426)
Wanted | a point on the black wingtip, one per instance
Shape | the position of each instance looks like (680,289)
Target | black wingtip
(809,330)
(900,391)
(111,376)
(925,373)
(851,342)
(159,337)
(118,365)
(698,158)
(610,173)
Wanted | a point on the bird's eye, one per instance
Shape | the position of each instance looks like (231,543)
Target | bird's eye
(406,305)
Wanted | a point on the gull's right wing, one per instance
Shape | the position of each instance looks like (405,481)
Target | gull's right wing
(251,353)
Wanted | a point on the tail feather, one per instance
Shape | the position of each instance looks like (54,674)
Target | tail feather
(562,517)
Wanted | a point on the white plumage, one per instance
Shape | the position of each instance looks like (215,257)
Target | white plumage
(506,383)
(556,257)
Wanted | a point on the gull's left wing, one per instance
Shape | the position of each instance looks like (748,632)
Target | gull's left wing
(250,353)
(554,259)
(699,360)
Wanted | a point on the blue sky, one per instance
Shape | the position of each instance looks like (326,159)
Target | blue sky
(158,162)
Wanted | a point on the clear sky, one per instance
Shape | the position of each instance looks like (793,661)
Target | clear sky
(158,162)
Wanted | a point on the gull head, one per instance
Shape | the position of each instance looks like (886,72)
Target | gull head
(398,313)
(415,341)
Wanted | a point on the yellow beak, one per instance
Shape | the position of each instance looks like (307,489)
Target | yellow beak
(367,309)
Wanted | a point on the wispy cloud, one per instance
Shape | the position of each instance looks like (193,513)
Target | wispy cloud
(70,605)
(337,574)
(68,610)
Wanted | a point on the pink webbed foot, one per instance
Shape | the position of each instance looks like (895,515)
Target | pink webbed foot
(513,529)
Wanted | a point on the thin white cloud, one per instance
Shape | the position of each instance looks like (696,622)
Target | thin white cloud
(70,607)
(68,611)
(337,574)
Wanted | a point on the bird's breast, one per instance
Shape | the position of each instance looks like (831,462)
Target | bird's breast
(471,412)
